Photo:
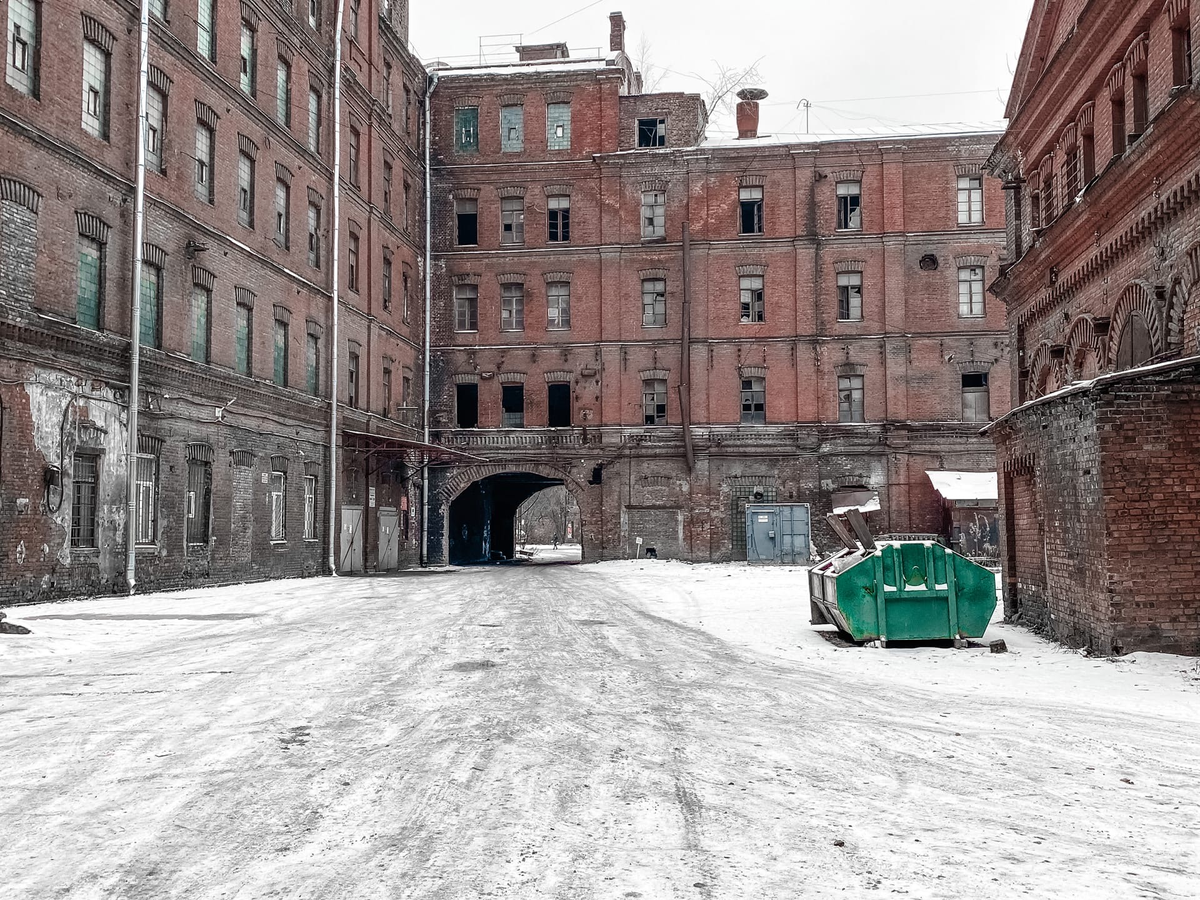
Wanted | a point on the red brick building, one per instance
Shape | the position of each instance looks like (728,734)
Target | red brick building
(675,327)
(236,291)
(1100,465)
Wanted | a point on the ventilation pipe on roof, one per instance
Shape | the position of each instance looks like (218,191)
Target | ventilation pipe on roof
(616,32)
(747,112)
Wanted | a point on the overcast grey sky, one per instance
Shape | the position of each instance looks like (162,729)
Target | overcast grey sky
(858,61)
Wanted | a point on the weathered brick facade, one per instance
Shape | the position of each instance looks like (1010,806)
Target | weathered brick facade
(1098,477)
(909,344)
(64,378)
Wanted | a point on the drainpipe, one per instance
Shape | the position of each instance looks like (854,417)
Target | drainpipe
(433,80)
(336,253)
(685,368)
(135,303)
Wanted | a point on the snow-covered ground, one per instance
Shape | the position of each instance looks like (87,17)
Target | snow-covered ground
(636,729)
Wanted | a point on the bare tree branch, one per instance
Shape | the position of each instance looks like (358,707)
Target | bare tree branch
(643,61)
(724,85)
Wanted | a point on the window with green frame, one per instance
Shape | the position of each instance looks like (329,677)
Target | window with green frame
(281,353)
(201,309)
(91,283)
(466,130)
(149,331)
(243,328)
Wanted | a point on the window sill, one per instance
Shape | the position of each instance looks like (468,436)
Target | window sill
(971,224)
(979,316)
(654,238)
(746,234)
(277,543)
(466,331)
(850,321)
(654,324)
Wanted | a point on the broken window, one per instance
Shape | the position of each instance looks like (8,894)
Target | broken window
(24,25)
(752,299)
(754,401)
(466,214)
(654,214)
(85,476)
(558,405)
(512,307)
(751,201)
(976,400)
(466,130)
(512,220)
(970,200)
(654,401)
(654,302)
(849,206)
(559,210)
(156,121)
(314,235)
(283,213)
(352,379)
(249,61)
(558,306)
(466,307)
(466,405)
(850,296)
(558,126)
(850,398)
(652,132)
(970,292)
(512,401)
(387,282)
(512,129)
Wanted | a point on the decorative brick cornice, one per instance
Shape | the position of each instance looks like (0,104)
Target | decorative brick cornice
(314,328)
(201,277)
(354,346)
(282,314)
(849,265)
(511,278)
(1137,57)
(559,377)
(467,378)
(463,193)
(96,33)
(1046,167)
(1178,12)
(557,277)
(250,13)
(159,79)
(973,366)
(847,175)
(510,190)
(315,198)
(658,185)
(511,377)
(312,469)
(19,192)
(283,173)
(652,274)
(201,453)
(154,255)
(1086,120)
(207,115)
(1116,80)
(659,374)
(284,48)
(746,270)
(850,368)
(279,463)
(243,296)
(92,226)
(1070,136)
(247,146)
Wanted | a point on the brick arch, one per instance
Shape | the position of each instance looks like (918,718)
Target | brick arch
(462,480)
(1041,372)
(1081,344)
(1137,298)
(1178,298)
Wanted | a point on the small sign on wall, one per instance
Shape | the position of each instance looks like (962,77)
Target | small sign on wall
(266,479)
(371,497)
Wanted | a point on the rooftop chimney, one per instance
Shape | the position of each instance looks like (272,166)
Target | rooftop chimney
(747,112)
(539,52)
(616,33)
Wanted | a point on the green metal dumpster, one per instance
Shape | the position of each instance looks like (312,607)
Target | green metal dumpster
(902,591)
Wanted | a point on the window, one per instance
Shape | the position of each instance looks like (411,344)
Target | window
(558,405)
(353,149)
(90,299)
(1136,345)
(1087,157)
(283,93)
(95,90)
(466,130)
(314,120)
(512,401)
(407,110)
(754,401)
(970,200)
(387,391)
(751,202)
(1120,136)
(206,31)
(654,401)
(387,87)
(249,63)
(158,8)
(407,211)
(146,499)
(314,13)
(654,302)
(283,218)
(970,292)
(310,507)
(24,43)
(405,294)
(1141,104)
(752,298)
(352,379)
(1181,54)
(279,506)
(279,373)
(849,206)
(312,365)
(466,213)
(512,220)
(558,306)
(1049,210)
(199,502)
(512,129)
(466,405)
(558,126)
(353,9)
(85,474)
(314,235)
(387,282)
(466,307)
(243,333)
(246,190)
(559,212)
(352,265)
(387,188)
(150,327)
(850,296)
(205,145)
(201,319)
(976,403)
(654,214)
(512,307)
(156,120)
(652,132)
(850,398)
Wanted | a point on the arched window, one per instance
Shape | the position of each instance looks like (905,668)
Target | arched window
(1136,345)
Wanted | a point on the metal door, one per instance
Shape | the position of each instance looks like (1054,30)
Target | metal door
(778,534)
(389,540)
(795,534)
(762,534)
(352,540)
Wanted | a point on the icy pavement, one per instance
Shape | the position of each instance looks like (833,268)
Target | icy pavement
(624,730)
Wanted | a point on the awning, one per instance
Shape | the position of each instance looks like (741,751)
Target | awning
(862,500)
(365,441)
(965,485)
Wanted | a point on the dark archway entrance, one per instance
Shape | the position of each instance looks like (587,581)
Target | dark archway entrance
(482,518)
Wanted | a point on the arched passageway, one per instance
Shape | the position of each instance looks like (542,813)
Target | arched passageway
(482,523)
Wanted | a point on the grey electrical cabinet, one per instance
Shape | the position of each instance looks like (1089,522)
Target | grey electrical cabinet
(778,534)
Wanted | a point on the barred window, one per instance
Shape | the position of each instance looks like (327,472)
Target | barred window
(146,499)
(85,476)
(310,507)
(466,307)
(558,306)
(199,502)
(278,506)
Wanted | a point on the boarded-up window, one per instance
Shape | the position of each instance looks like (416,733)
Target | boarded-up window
(558,126)
(466,130)
(512,129)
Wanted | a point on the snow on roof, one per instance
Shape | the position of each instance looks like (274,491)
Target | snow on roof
(969,129)
(547,67)
(965,485)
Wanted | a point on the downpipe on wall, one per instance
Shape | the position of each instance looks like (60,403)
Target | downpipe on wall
(433,80)
(335,272)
